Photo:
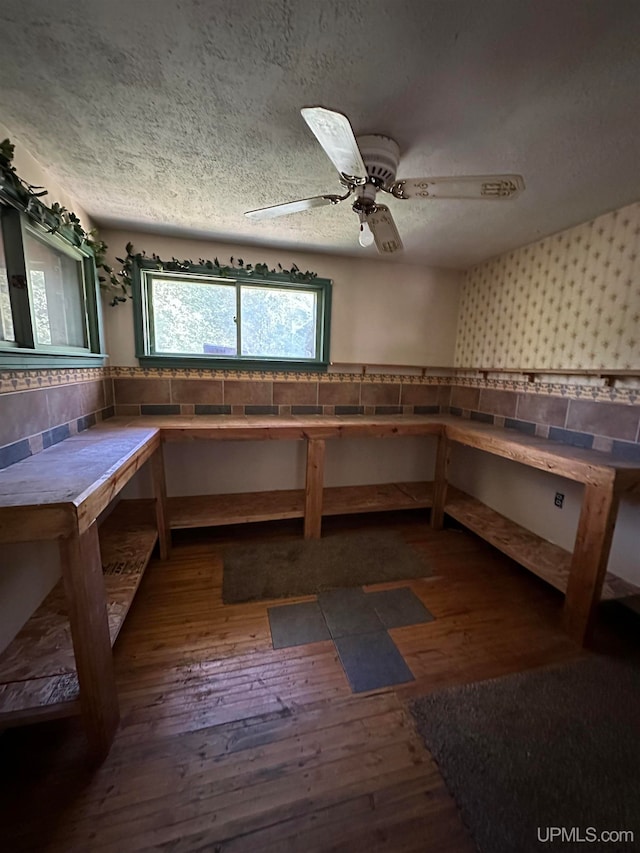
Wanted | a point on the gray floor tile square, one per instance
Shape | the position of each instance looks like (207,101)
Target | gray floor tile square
(371,661)
(348,611)
(399,607)
(297,624)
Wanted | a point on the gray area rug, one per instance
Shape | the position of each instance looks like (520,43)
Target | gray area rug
(307,567)
(552,748)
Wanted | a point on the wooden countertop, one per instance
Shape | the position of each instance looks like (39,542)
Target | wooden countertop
(70,483)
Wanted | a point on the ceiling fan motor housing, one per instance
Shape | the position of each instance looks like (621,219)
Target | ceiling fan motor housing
(381,155)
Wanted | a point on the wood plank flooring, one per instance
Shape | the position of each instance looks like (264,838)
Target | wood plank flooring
(228,745)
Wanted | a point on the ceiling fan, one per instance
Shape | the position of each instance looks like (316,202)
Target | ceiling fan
(367,165)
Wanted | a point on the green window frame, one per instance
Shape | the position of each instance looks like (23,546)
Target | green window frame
(23,309)
(146,274)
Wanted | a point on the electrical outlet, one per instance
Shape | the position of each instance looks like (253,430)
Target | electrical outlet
(559,499)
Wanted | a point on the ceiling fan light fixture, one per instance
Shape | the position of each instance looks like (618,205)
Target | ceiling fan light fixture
(366,237)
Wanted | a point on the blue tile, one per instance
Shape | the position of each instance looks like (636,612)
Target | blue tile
(15,452)
(55,435)
(388,410)
(372,661)
(159,409)
(483,417)
(306,410)
(261,410)
(297,625)
(454,410)
(568,436)
(523,426)
(349,410)
(399,607)
(206,409)
(85,422)
(348,611)
(427,410)
(109,412)
(626,451)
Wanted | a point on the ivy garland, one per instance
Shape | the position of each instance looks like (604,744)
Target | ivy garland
(235,267)
(57,219)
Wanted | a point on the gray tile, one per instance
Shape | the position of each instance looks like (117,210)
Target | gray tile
(55,435)
(160,409)
(399,607)
(372,661)
(426,410)
(15,452)
(206,409)
(349,410)
(348,611)
(297,624)
(567,436)
(522,426)
(483,417)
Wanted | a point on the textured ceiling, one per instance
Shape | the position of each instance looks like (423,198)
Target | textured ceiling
(178,115)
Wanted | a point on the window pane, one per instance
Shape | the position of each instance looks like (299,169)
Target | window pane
(57,295)
(6,321)
(278,322)
(194,317)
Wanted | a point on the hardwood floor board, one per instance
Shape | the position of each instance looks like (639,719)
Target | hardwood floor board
(170,703)
(319,656)
(240,771)
(251,732)
(238,809)
(229,745)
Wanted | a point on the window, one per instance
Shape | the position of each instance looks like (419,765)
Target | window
(48,297)
(194,317)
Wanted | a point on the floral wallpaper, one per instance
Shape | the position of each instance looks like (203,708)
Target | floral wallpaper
(570,301)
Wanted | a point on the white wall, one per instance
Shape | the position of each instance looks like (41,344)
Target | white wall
(230,467)
(382,312)
(526,496)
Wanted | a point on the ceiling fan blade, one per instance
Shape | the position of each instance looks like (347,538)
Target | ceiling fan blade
(384,231)
(494,187)
(291,207)
(334,132)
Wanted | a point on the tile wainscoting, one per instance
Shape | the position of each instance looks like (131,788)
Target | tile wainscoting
(40,408)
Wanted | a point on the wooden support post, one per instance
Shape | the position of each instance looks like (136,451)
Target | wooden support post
(589,561)
(86,600)
(313,488)
(440,482)
(160,494)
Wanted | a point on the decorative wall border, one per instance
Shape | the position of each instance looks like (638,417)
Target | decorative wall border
(570,390)
(578,388)
(31,380)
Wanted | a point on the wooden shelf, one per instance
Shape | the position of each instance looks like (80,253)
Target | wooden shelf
(547,561)
(216,510)
(37,670)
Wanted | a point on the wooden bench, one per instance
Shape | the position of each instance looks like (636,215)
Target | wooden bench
(60,663)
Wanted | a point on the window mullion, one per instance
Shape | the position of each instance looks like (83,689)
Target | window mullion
(238,320)
(17,277)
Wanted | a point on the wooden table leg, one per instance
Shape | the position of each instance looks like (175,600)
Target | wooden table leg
(440,482)
(160,494)
(589,561)
(313,488)
(86,600)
